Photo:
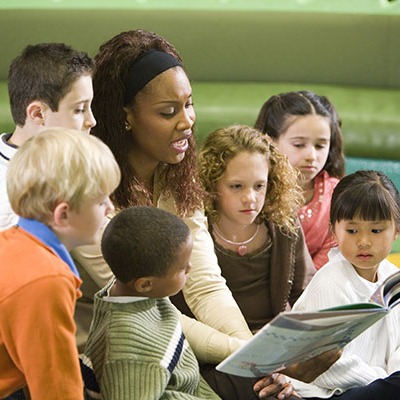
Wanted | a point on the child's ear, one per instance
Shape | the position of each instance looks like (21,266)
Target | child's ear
(35,112)
(60,214)
(332,229)
(144,284)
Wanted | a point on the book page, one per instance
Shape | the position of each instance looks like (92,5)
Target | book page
(388,294)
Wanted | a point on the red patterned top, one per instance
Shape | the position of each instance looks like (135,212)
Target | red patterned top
(314,218)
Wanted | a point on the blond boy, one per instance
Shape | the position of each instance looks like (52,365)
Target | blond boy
(59,183)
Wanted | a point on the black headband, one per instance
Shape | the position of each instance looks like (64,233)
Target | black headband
(145,68)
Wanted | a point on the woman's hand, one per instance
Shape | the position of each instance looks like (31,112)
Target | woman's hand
(277,384)
(274,385)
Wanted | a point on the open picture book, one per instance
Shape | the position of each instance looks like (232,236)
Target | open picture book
(293,337)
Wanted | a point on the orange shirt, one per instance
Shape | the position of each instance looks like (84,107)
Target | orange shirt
(38,292)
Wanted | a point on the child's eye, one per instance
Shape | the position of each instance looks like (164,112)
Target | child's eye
(376,230)
(351,231)
(298,145)
(320,146)
(260,186)
(235,186)
(104,201)
(80,110)
(190,104)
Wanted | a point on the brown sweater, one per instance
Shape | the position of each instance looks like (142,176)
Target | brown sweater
(267,281)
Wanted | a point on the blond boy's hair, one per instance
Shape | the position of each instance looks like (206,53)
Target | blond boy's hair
(58,165)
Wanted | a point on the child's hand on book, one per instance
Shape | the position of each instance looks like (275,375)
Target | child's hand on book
(308,370)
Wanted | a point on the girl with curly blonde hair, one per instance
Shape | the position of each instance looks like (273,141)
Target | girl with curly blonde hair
(252,205)
(283,196)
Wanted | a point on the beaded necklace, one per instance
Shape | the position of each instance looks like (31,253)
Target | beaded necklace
(242,248)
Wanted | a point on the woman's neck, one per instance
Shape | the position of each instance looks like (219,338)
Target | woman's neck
(144,170)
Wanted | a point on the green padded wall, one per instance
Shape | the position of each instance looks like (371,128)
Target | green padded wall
(322,41)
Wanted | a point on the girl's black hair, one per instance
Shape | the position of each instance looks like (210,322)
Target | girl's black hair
(368,195)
